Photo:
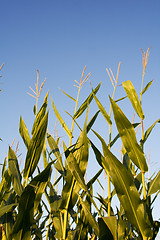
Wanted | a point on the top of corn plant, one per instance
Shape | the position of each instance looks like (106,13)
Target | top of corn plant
(31,207)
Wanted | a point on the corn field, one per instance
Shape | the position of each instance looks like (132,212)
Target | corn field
(31,205)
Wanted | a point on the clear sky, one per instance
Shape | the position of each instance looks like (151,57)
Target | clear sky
(59,38)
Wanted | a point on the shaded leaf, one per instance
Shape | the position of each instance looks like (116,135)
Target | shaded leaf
(7,208)
(89,216)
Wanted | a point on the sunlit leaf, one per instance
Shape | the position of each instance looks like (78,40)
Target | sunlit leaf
(15,173)
(35,147)
(68,95)
(128,136)
(87,101)
(7,208)
(147,133)
(24,132)
(60,119)
(127,193)
(40,114)
(146,87)
(154,185)
(133,97)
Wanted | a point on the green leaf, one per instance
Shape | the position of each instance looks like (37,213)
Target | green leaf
(35,147)
(7,208)
(89,216)
(24,132)
(24,218)
(40,114)
(147,133)
(55,150)
(91,122)
(102,109)
(146,87)
(86,102)
(108,228)
(68,95)
(133,97)
(75,170)
(154,185)
(126,190)
(15,173)
(128,136)
(120,99)
(60,119)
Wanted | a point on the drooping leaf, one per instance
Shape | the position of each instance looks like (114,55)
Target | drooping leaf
(126,190)
(15,173)
(133,97)
(154,185)
(83,107)
(40,114)
(60,119)
(128,136)
(35,147)
(24,132)
(146,87)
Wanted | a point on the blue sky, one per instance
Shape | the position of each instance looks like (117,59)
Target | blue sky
(59,38)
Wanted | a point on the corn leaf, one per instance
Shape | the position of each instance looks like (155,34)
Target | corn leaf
(25,211)
(15,173)
(102,109)
(146,87)
(128,136)
(133,97)
(91,122)
(7,208)
(154,185)
(83,107)
(35,147)
(55,150)
(147,133)
(68,95)
(40,114)
(24,132)
(89,216)
(60,119)
(126,190)
(75,170)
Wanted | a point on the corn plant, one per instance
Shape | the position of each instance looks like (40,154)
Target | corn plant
(33,207)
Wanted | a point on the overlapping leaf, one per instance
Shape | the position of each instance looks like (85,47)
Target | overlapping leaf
(128,136)
(35,147)
(126,190)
